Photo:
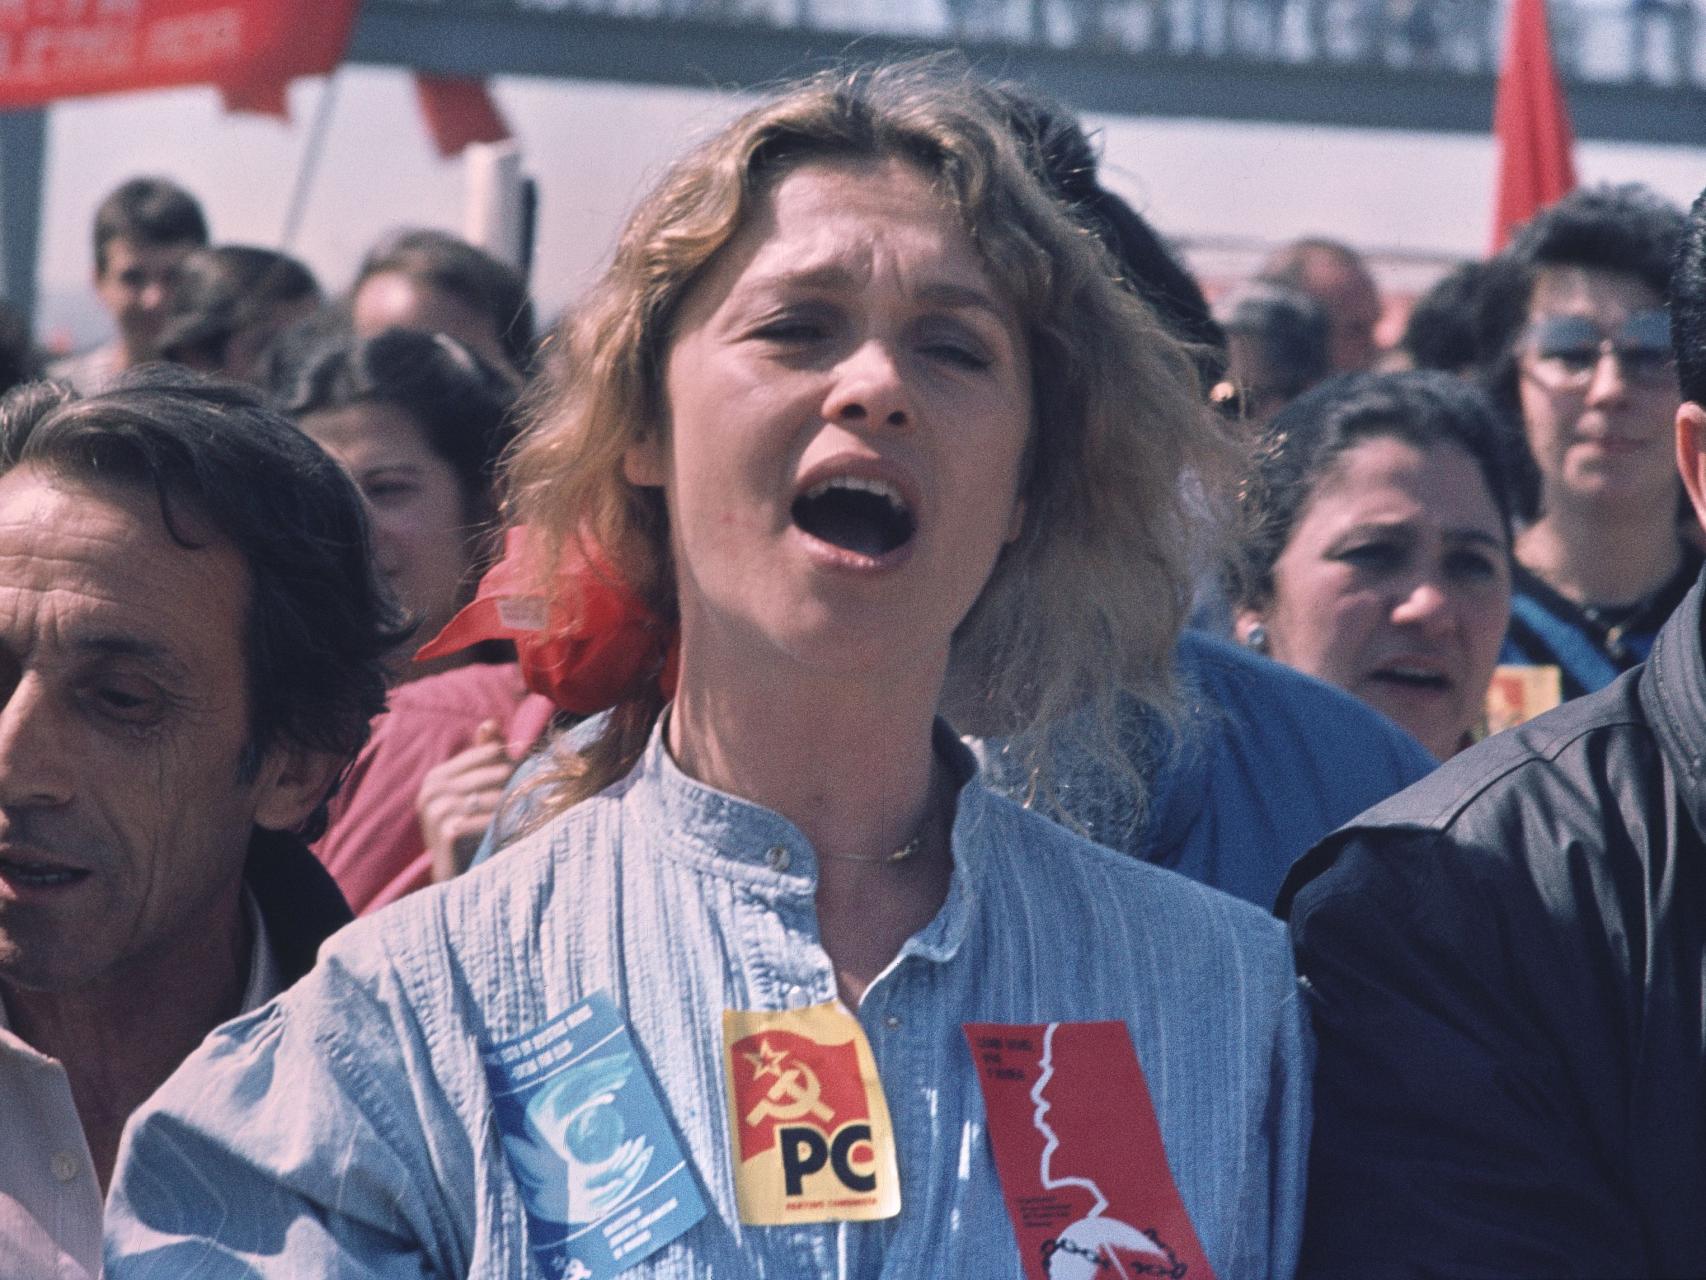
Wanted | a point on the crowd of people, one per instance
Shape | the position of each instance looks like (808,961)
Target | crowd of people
(897,741)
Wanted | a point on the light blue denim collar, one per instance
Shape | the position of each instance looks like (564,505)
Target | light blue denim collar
(720,834)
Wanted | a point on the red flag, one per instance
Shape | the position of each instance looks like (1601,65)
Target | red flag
(267,98)
(459,110)
(1531,122)
(59,51)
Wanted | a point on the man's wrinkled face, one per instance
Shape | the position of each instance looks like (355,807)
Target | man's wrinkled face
(124,815)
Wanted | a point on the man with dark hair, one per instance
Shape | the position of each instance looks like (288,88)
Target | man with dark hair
(1581,357)
(192,640)
(1507,967)
(427,280)
(143,232)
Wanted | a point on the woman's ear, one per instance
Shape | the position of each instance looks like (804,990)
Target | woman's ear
(1250,630)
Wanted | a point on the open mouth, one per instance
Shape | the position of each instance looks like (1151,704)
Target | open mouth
(866,517)
(39,875)
(1413,678)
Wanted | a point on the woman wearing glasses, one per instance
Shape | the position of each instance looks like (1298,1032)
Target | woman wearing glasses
(1602,561)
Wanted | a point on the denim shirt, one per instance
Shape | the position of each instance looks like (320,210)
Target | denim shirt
(346,1129)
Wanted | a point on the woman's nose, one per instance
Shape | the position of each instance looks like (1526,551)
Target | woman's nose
(1427,603)
(1607,385)
(868,389)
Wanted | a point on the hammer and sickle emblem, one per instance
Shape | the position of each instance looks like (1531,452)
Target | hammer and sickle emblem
(795,1094)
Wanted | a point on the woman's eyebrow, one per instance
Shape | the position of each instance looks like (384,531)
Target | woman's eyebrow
(1476,535)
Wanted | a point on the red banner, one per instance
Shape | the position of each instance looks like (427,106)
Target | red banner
(1531,121)
(66,48)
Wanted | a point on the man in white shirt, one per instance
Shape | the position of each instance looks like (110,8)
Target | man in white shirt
(191,646)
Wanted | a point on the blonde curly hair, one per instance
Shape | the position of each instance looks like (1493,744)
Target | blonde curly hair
(1085,606)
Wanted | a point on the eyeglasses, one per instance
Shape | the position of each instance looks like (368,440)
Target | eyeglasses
(1566,350)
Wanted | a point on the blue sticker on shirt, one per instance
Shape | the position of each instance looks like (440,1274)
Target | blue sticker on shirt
(602,1177)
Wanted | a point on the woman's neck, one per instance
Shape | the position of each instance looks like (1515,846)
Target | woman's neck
(851,764)
(1590,560)
(849,767)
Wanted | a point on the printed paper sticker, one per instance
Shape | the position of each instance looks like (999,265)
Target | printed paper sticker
(601,1175)
(1079,1154)
(1519,693)
(810,1124)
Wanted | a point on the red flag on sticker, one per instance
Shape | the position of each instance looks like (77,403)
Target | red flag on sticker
(1079,1153)
(1531,123)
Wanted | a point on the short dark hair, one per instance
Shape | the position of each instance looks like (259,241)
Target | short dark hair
(225,289)
(1443,329)
(148,211)
(320,622)
(1688,306)
(466,273)
(461,404)
(1292,329)
(1424,408)
(1628,229)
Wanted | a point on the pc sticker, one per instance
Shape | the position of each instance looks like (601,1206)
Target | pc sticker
(812,1140)
(601,1174)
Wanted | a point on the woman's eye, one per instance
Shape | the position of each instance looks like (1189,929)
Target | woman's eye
(1471,566)
(791,329)
(1372,556)
(963,354)
(387,493)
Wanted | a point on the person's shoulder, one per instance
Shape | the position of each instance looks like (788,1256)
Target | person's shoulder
(1478,817)
(1040,856)
(465,921)
(1570,745)
(476,691)
(1269,701)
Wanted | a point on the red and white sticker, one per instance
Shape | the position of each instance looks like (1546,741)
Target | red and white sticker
(1079,1154)
(812,1139)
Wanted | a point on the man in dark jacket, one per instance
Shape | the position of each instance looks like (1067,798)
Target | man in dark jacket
(1507,968)
(191,646)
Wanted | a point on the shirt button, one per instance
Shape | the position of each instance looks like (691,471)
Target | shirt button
(64,1165)
(778,857)
(892,1022)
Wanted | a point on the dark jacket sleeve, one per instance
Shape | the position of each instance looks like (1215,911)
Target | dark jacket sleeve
(1453,1133)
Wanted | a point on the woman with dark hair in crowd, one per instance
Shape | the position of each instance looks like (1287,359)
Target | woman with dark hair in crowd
(862,426)
(1378,551)
(420,422)
(428,280)
(228,305)
(1575,310)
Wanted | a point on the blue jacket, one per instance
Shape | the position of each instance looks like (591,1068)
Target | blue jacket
(1263,762)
